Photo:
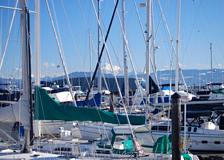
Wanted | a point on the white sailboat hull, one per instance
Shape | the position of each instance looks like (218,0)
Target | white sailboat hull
(94,131)
(205,141)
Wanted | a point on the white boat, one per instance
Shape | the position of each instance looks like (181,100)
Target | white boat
(95,131)
(205,138)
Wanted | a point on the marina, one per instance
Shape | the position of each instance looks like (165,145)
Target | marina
(85,80)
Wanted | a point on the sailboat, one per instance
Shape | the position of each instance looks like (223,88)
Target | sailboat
(20,114)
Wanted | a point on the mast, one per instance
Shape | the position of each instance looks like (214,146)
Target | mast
(37,43)
(26,74)
(149,43)
(101,51)
(211,62)
(177,46)
(98,47)
(126,83)
(37,52)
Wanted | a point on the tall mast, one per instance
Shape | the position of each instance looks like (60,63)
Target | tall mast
(26,73)
(149,43)
(211,62)
(37,43)
(98,47)
(126,84)
(178,46)
(37,52)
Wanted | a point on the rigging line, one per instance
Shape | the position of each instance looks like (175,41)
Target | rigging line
(129,54)
(152,47)
(103,74)
(153,65)
(112,47)
(139,20)
(1,29)
(8,37)
(83,15)
(70,27)
(88,28)
(155,36)
(101,53)
(130,57)
(110,43)
(177,46)
(12,8)
(115,53)
(170,40)
(104,44)
(93,50)
(15,9)
(60,42)
(54,15)
(141,26)
(60,51)
(72,35)
(166,27)
(187,46)
(126,113)
(169,34)
(104,79)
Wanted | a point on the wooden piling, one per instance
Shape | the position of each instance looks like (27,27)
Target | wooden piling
(175,116)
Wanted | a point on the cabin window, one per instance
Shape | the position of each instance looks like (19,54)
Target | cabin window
(195,129)
(204,142)
(62,149)
(217,142)
(189,129)
(163,128)
(65,149)
(160,128)
(154,128)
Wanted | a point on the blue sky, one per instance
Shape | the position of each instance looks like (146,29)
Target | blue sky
(201,23)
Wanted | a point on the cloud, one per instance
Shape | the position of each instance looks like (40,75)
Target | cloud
(110,69)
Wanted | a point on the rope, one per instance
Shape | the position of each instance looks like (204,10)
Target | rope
(60,51)
(8,37)
(129,55)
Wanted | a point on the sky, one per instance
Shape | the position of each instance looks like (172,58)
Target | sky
(201,23)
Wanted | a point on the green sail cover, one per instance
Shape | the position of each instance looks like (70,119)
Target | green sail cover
(163,145)
(47,108)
